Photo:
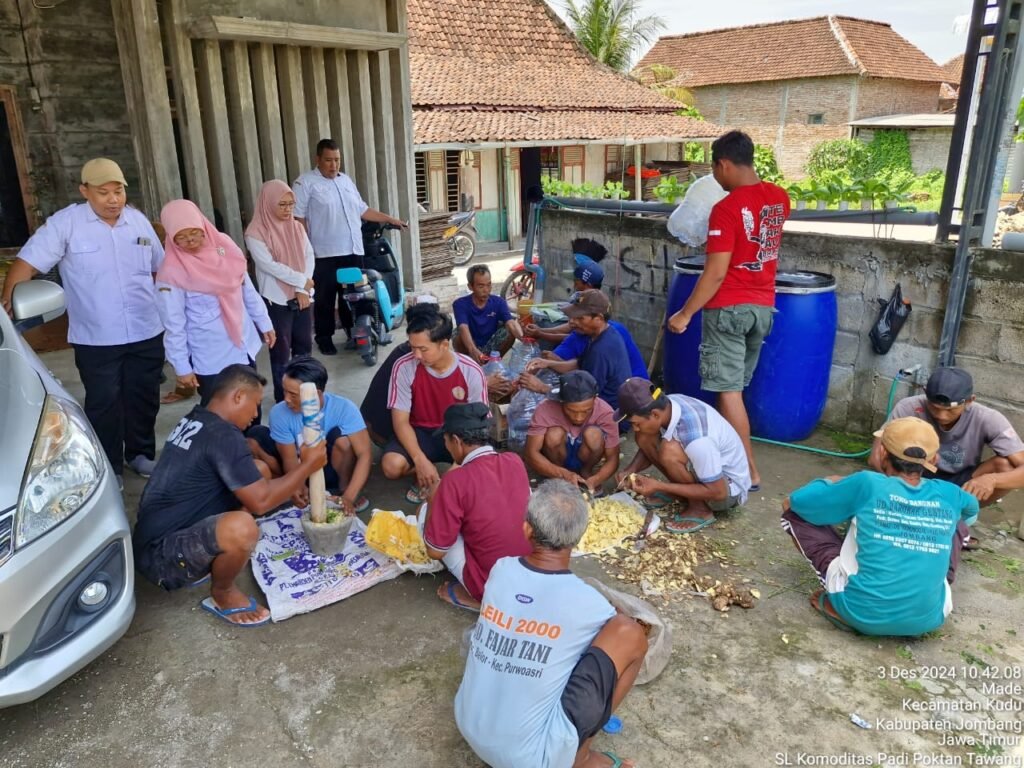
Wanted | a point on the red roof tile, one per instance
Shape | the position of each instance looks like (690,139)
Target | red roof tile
(818,47)
(954,70)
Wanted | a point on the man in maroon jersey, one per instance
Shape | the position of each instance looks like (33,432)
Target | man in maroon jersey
(737,289)
(423,384)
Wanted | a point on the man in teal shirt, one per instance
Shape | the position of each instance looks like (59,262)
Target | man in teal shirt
(891,573)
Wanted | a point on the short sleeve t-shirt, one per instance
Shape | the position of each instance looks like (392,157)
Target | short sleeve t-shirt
(374,408)
(711,444)
(534,625)
(960,447)
(550,414)
(425,394)
(606,360)
(483,500)
(482,322)
(890,577)
(748,224)
(576,343)
(338,411)
(205,460)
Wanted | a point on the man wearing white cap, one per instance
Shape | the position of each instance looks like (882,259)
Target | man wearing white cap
(107,255)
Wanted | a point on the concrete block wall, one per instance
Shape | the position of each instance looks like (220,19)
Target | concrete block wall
(929,147)
(639,270)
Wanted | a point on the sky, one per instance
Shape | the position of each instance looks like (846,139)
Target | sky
(928,24)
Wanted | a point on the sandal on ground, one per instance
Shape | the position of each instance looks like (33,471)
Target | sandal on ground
(971,544)
(616,760)
(820,603)
(415,496)
(362,504)
(675,524)
(449,588)
(657,500)
(199,582)
(224,614)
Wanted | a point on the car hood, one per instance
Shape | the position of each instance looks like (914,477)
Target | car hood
(22,395)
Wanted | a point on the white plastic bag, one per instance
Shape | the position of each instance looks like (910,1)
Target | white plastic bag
(689,222)
(659,641)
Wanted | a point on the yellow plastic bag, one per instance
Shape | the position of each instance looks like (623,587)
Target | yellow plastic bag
(397,536)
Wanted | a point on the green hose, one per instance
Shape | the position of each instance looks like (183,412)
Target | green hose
(836,454)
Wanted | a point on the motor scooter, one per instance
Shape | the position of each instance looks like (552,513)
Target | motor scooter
(374,294)
(461,237)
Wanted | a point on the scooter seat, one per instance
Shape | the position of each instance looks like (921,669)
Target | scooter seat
(350,275)
(373,275)
(461,216)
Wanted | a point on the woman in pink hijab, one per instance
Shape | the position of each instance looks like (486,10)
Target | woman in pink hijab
(284,272)
(212,314)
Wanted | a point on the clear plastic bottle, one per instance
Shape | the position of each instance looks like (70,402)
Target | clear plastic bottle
(520,411)
(523,352)
(495,366)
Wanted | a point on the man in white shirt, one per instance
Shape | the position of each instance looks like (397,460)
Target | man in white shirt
(692,445)
(107,254)
(331,208)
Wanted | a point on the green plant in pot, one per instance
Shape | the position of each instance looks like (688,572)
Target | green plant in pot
(670,190)
(797,195)
(851,193)
(899,192)
(614,190)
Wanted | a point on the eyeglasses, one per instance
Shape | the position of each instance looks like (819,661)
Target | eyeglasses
(286,205)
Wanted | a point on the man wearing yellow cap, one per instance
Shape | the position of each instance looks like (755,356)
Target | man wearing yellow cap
(891,573)
(107,255)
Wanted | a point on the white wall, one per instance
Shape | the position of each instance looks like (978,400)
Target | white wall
(489,178)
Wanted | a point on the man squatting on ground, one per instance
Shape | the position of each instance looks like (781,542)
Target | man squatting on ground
(549,658)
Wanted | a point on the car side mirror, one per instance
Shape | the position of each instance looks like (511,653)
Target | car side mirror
(35,302)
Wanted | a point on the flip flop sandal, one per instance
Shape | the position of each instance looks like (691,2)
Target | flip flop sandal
(755,488)
(362,504)
(199,582)
(616,760)
(223,613)
(415,496)
(971,544)
(674,525)
(657,501)
(818,603)
(450,589)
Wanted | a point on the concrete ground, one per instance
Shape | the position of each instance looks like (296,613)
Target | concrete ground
(370,681)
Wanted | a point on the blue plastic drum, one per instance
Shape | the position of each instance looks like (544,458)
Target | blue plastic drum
(787,395)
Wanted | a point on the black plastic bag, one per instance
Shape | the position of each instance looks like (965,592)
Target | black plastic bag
(893,315)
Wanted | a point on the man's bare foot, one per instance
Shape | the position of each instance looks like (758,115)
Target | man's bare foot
(455,594)
(234,598)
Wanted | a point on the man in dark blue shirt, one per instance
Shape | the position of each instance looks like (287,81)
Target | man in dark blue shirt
(605,357)
(483,322)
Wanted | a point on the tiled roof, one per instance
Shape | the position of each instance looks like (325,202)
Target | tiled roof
(818,47)
(470,127)
(501,64)
(954,70)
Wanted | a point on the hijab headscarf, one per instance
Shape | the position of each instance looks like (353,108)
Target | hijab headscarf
(286,240)
(218,268)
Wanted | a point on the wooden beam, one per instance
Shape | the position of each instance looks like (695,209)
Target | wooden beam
(339,107)
(244,134)
(405,158)
(384,132)
(137,27)
(314,75)
(186,99)
(286,33)
(293,110)
(268,112)
(362,127)
(218,138)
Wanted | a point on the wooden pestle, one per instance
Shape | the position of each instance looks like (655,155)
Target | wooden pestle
(311,435)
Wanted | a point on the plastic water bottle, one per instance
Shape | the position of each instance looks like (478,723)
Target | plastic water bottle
(523,352)
(495,366)
(520,411)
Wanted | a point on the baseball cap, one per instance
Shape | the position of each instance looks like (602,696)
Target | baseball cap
(908,434)
(635,394)
(590,302)
(949,387)
(464,416)
(588,271)
(101,170)
(576,386)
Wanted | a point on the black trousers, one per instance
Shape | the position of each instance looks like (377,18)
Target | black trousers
(294,331)
(122,396)
(205,390)
(325,280)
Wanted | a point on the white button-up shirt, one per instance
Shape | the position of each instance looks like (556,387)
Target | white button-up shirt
(196,340)
(333,210)
(268,271)
(107,273)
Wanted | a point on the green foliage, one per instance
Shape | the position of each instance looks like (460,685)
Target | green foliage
(612,190)
(690,111)
(612,30)
(888,154)
(846,156)
(1020,121)
(669,189)
(693,152)
(765,164)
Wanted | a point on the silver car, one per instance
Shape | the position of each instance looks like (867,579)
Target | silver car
(67,585)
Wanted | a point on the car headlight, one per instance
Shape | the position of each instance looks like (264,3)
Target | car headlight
(66,469)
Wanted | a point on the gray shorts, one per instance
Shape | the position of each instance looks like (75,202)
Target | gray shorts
(731,345)
(716,505)
(181,557)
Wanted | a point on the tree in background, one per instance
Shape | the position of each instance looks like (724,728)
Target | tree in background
(612,30)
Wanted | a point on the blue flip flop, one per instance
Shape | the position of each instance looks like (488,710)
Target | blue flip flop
(657,501)
(450,589)
(616,760)
(700,522)
(210,606)
(199,582)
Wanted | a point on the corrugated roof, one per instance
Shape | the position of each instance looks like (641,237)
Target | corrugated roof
(923,120)
(818,47)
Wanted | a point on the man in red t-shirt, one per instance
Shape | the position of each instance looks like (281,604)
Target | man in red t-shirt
(477,512)
(737,289)
(423,384)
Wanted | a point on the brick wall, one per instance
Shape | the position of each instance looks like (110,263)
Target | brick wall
(776,113)
(81,110)
(639,271)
